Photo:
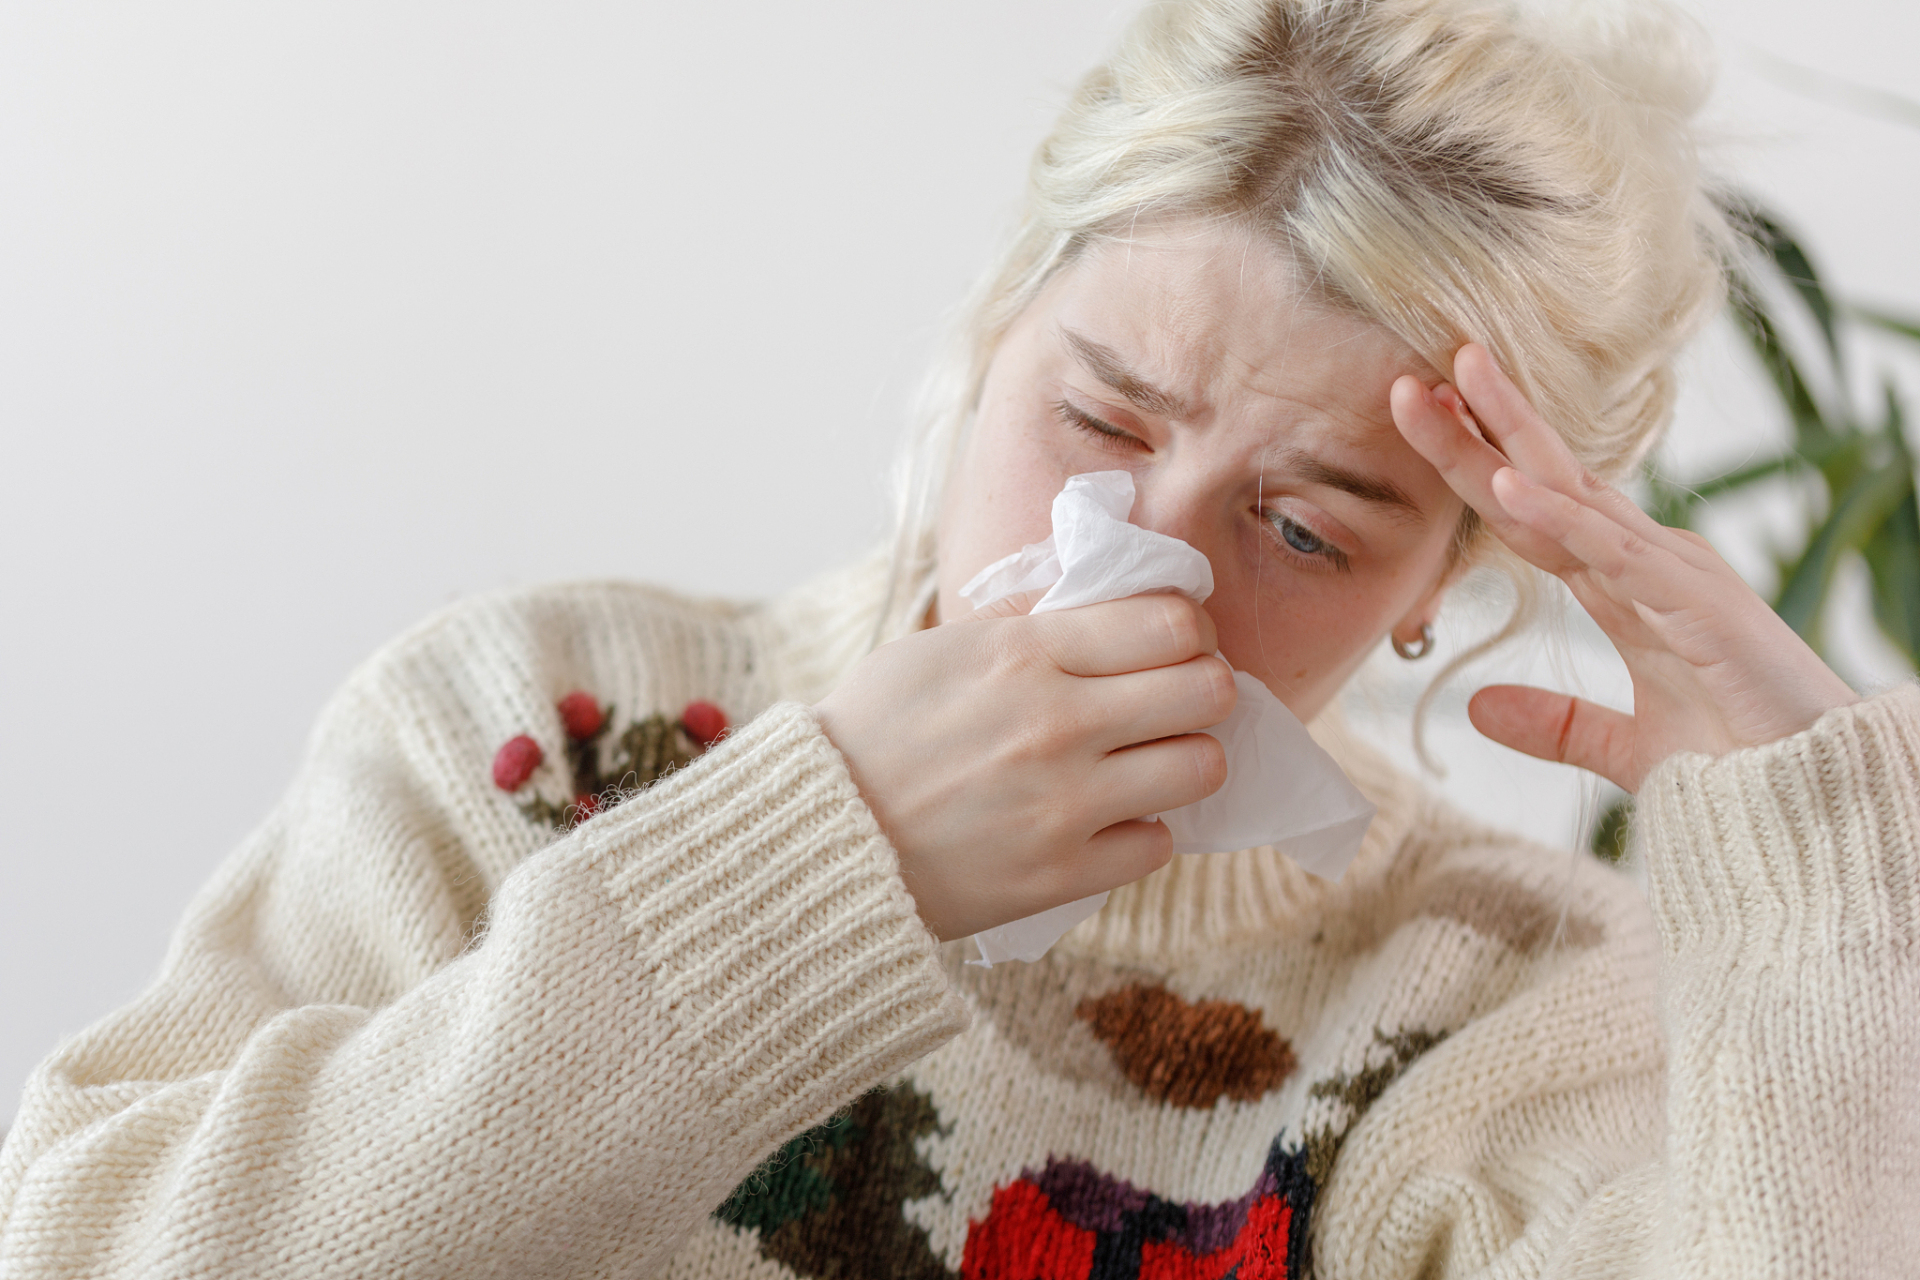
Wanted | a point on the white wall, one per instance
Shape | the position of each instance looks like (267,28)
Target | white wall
(313,318)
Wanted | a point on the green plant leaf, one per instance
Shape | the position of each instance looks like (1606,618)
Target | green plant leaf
(1669,503)
(1611,832)
(1867,470)
(1812,433)
(1740,477)
(1784,251)
(1860,509)
(1893,550)
(1887,321)
(1893,560)
(1673,502)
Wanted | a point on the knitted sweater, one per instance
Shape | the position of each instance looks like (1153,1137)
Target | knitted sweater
(412,1029)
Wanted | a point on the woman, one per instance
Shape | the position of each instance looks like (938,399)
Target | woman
(1277,257)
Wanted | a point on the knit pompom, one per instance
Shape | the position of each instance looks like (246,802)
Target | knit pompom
(582,715)
(703,722)
(515,762)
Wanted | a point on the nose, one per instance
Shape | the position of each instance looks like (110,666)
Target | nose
(1179,506)
(1182,508)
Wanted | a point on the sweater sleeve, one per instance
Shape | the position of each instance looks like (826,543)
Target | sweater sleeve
(337,1073)
(1750,1109)
(1785,882)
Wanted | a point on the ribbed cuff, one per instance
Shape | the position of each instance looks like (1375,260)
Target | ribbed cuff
(776,929)
(1814,839)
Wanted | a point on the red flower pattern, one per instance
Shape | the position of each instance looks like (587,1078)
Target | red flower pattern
(1071,1222)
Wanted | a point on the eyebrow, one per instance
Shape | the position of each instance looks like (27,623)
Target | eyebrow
(1105,364)
(1373,489)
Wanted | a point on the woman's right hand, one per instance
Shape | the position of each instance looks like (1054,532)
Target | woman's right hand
(1009,759)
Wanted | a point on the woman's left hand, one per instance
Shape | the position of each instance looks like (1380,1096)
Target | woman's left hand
(1713,667)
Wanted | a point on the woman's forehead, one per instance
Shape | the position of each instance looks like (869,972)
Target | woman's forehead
(1212,317)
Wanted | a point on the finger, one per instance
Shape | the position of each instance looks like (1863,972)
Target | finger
(1638,569)
(1534,448)
(1121,854)
(1464,460)
(1155,777)
(1558,727)
(1164,702)
(1134,634)
(1451,400)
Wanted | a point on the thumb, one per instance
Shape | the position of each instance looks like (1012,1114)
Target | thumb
(1014,606)
(1558,727)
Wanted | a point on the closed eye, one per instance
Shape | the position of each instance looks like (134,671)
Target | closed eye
(1105,434)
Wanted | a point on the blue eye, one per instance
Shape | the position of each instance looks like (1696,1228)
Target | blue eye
(1299,538)
(1304,541)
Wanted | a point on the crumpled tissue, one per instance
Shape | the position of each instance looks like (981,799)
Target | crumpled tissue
(1282,789)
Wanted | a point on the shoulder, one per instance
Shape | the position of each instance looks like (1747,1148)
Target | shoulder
(442,699)
(552,639)
(639,637)
(558,622)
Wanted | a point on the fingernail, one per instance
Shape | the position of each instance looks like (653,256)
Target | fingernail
(1456,404)
(1515,477)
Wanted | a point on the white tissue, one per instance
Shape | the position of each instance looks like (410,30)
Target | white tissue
(1282,789)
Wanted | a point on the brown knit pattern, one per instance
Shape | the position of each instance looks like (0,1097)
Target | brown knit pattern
(1188,1054)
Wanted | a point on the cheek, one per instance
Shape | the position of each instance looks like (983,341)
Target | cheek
(1301,636)
(999,499)
(1303,633)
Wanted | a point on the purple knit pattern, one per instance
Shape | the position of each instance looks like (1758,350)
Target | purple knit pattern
(1094,1201)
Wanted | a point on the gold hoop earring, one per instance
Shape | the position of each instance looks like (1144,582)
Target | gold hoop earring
(1420,648)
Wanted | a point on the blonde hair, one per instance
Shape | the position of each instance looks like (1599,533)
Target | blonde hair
(1447,169)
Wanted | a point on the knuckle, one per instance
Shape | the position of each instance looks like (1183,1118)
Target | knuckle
(1176,617)
(1631,546)
(1209,763)
(1697,542)
(1059,827)
(1217,690)
(1014,648)
(1044,736)
(1156,847)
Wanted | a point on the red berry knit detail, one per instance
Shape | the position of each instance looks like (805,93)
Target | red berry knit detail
(605,768)
(580,712)
(515,762)
(704,722)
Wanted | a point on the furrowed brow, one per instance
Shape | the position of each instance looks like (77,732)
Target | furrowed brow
(1104,363)
(1371,489)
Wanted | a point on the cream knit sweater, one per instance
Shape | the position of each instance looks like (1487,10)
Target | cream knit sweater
(407,1031)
